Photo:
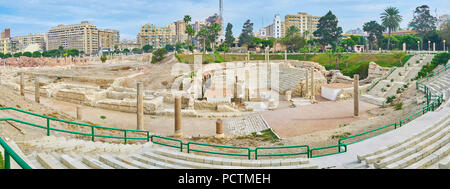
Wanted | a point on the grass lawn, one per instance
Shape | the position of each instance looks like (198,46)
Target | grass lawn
(1,161)
(357,63)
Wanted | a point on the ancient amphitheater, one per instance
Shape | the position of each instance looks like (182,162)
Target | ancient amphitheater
(130,114)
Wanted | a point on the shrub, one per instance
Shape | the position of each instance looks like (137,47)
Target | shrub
(103,58)
(390,99)
(398,106)
(158,55)
(383,90)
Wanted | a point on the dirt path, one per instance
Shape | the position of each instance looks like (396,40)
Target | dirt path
(291,122)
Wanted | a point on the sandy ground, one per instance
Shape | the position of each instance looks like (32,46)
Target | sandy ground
(290,122)
(315,125)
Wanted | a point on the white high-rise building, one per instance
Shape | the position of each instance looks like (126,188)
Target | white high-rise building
(277,26)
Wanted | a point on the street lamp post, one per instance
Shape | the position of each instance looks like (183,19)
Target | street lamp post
(429,42)
(444,45)
(418,45)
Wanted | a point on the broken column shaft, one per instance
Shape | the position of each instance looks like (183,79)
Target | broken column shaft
(356,95)
(22,84)
(177,115)
(36,89)
(140,107)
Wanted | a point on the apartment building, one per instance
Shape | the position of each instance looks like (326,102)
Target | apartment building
(6,33)
(83,37)
(303,21)
(106,39)
(180,31)
(24,41)
(158,37)
(5,45)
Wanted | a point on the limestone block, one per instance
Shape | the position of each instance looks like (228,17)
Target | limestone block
(225,108)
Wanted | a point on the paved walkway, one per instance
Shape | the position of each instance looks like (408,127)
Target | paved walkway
(290,122)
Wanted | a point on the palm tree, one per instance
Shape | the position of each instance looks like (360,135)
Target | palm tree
(189,29)
(203,35)
(391,20)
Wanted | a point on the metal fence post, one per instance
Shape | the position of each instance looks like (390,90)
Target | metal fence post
(48,127)
(7,160)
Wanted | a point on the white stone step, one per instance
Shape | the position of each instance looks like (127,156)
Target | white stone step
(72,163)
(154,162)
(418,155)
(48,161)
(111,161)
(431,159)
(136,163)
(403,145)
(431,142)
(444,163)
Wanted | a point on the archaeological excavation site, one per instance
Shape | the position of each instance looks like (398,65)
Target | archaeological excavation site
(128,112)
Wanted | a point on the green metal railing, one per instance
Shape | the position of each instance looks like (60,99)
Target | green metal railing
(379,79)
(92,127)
(338,146)
(9,153)
(281,154)
(191,149)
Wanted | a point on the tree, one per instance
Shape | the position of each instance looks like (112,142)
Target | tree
(72,52)
(116,49)
(306,34)
(445,33)
(327,30)
(423,21)
(391,20)
(191,32)
(136,50)
(267,42)
(103,58)
(202,35)
(348,43)
(329,52)
(213,31)
(392,41)
(247,34)
(158,55)
(339,51)
(293,40)
(169,48)
(229,38)
(61,50)
(37,54)
(410,40)
(147,48)
(304,50)
(294,43)
(126,51)
(2,55)
(292,31)
(375,32)
(17,55)
(187,19)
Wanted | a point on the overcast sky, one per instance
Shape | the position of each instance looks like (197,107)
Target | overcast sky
(38,16)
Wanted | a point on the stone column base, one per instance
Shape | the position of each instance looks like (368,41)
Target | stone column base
(220,136)
(178,134)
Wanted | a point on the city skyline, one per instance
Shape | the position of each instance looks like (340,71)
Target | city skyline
(38,16)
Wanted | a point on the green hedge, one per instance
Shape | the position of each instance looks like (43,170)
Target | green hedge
(439,59)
